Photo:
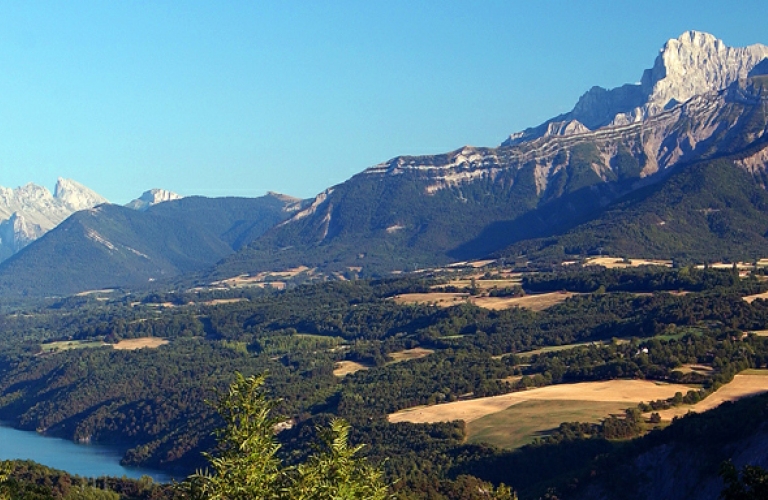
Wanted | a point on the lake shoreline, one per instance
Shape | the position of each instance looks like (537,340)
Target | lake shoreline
(81,459)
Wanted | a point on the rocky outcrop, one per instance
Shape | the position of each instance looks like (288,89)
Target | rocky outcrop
(152,197)
(693,64)
(684,133)
(29,211)
(16,233)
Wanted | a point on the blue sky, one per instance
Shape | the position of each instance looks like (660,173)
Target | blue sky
(226,98)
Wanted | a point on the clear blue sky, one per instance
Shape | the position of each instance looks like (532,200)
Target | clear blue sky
(236,98)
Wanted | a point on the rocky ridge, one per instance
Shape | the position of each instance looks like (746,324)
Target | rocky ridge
(474,201)
(681,134)
(690,65)
(698,91)
(152,197)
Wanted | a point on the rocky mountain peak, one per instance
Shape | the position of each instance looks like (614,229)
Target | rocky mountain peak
(692,64)
(75,195)
(27,212)
(152,197)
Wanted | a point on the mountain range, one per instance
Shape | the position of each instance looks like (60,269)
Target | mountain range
(29,211)
(472,202)
(674,166)
(112,246)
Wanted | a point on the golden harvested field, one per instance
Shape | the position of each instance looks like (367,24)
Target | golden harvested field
(751,383)
(344,368)
(408,354)
(553,348)
(520,424)
(619,391)
(751,298)
(132,344)
(439,298)
(216,302)
(486,284)
(759,333)
(616,262)
(533,302)
(475,263)
(94,292)
(266,278)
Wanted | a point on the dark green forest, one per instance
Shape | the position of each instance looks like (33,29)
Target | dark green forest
(642,323)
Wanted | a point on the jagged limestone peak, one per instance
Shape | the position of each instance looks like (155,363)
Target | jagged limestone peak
(692,64)
(152,197)
(28,211)
(75,195)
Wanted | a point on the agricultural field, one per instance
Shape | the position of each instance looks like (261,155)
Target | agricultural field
(628,392)
(438,298)
(554,348)
(538,302)
(67,345)
(620,263)
(751,298)
(140,343)
(700,369)
(748,383)
(344,368)
(486,284)
(273,279)
(409,354)
(521,423)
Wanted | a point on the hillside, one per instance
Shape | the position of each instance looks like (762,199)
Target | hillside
(682,461)
(111,246)
(710,211)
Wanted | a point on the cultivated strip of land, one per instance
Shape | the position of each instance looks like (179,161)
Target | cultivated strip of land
(344,368)
(620,391)
(745,384)
(520,424)
(537,302)
(140,343)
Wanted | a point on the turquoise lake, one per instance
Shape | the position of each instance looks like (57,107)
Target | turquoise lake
(80,459)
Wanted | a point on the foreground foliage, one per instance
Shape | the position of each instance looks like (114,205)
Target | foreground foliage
(246,465)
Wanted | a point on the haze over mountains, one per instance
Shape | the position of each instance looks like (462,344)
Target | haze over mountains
(697,116)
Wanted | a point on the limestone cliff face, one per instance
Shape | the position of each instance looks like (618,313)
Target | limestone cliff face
(602,164)
(29,211)
(152,197)
(702,127)
(693,64)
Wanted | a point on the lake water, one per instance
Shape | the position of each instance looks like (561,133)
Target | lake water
(81,459)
